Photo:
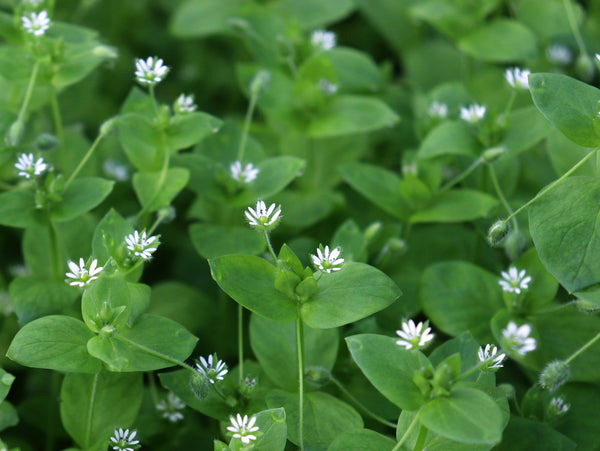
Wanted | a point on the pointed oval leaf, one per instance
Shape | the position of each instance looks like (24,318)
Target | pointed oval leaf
(456,205)
(80,197)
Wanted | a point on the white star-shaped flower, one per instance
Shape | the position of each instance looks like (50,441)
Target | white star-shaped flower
(472,113)
(413,336)
(150,71)
(171,408)
(560,54)
(514,281)
(213,369)
(243,428)
(323,40)
(36,23)
(490,357)
(27,167)
(327,261)
(438,109)
(82,275)
(328,88)
(244,174)
(518,78)
(124,440)
(184,104)
(263,218)
(517,338)
(140,245)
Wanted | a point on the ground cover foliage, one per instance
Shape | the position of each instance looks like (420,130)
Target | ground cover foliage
(299,224)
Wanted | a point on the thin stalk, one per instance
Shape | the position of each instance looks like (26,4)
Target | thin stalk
(241,344)
(511,101)
(85,159)
(88,424)
(29,92)
(57,117)
(411,426)
(246,129)
(583,349)
(462,175)
(54,250)
(500,194)
(270,246)
(575,28)
(153,390)
(421,439)
(469,372)
(553,184)
(153,97)
(300,349)
(360,405)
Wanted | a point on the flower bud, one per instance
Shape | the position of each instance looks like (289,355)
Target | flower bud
(397,245)
(554,375)
(107,126)
(584,66)
(373,230)
(15,133)
(166,214)
(498,232)
(105,51)
(199,384)
(249,386)
(260,82)
(557,407)
(46,142)
(587,307)
(492,154)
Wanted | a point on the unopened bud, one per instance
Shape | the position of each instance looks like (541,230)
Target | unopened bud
(105,51)
(166,214)
(15,133)
(249,386)
(397,244)
(492,154)
(554,375)
(558,407)
(46,142)
(107,126)
(584,67)
(260,82)
(498,232)
(199,384)
(373,230)
(587,307)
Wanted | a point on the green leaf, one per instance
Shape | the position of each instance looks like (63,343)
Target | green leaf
(500,41)
(564,154)
(351,240)
(56,343)
(325,417)
(459,297)
(274,344)
(6,380)
(194,18)
(571,105)
(273,428)
(186,130)
(362,440)
(352,114)
(523,434)
(213,240)
(33,298)
(8,416)
(527,128)
(109,236)
(313,14)
(543,286)
(141,141)
(456,205)
(250,281)
(305,208)
(389,368)
(449,138)
(17,209)
(565,229)
(468,415)
(581,422)
(548,18)
(353,293)
(356,70)
(80,197)
(380,186)
(158,189)
(106,302)
(94,405)
(154,342)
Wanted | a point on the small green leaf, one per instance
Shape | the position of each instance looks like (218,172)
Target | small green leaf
(449,138)
(273,428)
(158,189)
(203,18)
(362,440)
(313,14)
(6,380)
(525,434)
(17,209)
(456,205)
(213,240)
(109,236)
(356,70)
(80,197)
(189,129)
(140,140)
(8,415)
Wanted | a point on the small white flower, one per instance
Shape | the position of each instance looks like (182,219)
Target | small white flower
(263,218)
(413,336)
(212,369)
(184,104)
(559,54)
(27,167)
(140,245)
(36,24)
(514,281)
(558,406)
(116,170)
(327,261)
(518,78)
(323,40)
(438,109)
(171,408)
(517,338)
(82,275)
(489,358)
(124,440)
(243,428)
(473,113)
(327,87)
(151,71)
(244,174)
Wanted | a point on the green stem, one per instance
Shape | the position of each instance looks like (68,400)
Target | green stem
(361,406)
(246,129)
(469,372)
(421,439)
(54,250)
(154,353)
(583,349)
(90,412)
(153,390)
(268,240)
(57,117)
(462,175)
(553,184)
(29,92)
(408,431)
(574,27)
(300,349)
(85,159)
(153,97)
(500,194)
(241,344)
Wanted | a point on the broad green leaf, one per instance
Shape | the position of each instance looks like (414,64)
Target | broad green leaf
(356,70)
(6,380)
(78,60)
(449,138)
(141,141)
(15,63)
(389,368)
(200,18)
(352,114)
(80,197)
(273,428)
(152,343)
(362,440)
(352,241)
(548,18)
(353,293)
(94,405)
(523,434)
(213,240)
(459,297)
(33,298)
(571,105)
(456,205)
(500,41)
(325,417)
(56,343)
(380,186)
(564,154)
(250,281)
(527,128)
(581,422)
(313,14)
(274,344)
(468,415)
(139,295)
(188,129)
(17,209)
(564,227)
(8,415)
(158,189)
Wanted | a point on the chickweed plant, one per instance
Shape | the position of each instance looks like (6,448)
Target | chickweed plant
(274,225)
